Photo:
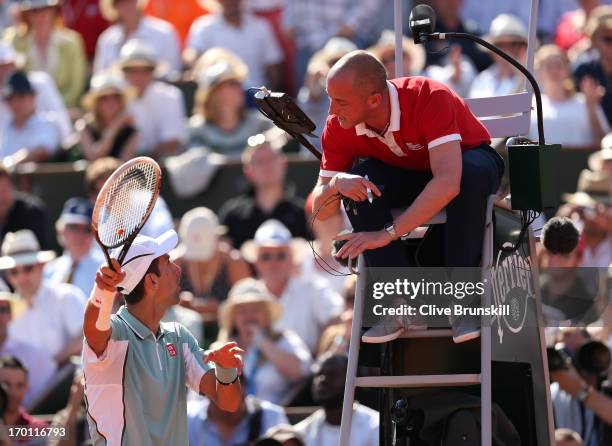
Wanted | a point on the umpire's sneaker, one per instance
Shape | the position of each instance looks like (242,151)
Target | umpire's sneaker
(391,328)
(465,329)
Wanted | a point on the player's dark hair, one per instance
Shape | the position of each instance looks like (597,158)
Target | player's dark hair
(139,290)
(11,362)
(560,235)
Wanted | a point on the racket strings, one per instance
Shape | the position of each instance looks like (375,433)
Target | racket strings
(127,203)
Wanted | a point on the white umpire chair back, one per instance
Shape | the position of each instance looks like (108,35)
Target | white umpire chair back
(504,116)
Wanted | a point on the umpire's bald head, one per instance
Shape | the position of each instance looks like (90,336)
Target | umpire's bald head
(362,70)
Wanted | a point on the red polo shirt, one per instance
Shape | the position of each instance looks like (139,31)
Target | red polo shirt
(424,114)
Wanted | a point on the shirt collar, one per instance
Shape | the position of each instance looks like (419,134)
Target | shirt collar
(140,329)
(394,120)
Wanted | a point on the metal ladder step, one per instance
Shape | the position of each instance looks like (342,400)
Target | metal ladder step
(419,380)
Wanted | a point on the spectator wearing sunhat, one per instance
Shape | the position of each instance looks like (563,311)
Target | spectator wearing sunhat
(508,33)
(158,107)
(53,318)
(274,359)
(79,262)
(249,37)
(49,47)
(28,135)
(41,366)
(210,265)
(131,23)
(308,304)
(108,128)
(222,122)
(48,99)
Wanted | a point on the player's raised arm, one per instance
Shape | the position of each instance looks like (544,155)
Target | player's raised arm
(98,332)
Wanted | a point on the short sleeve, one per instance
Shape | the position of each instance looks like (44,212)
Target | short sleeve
(195,37)
(193,354)
(292,343)
(337,157)
(174,122)
(437,121)
(329,304)
(46,136)
(73,308)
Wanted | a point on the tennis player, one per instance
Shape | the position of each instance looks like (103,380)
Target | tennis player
(136,367)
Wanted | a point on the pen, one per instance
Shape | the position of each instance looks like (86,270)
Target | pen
(369,192)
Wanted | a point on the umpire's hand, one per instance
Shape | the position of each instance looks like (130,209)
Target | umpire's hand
(353,186)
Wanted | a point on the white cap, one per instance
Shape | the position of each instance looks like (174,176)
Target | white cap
(140,256)
(506,26)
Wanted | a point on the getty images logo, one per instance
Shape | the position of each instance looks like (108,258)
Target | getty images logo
(512,284)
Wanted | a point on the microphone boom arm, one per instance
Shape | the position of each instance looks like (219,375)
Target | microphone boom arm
(534,85)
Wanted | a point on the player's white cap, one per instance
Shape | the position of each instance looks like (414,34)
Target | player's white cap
(140,255)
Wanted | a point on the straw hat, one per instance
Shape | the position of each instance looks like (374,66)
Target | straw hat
(593,188)
(273,234)
(416,52)
(597,159)
(137,53)
(109,12)
(507,28)
(21,248)
(104,84)
(247,291)
(600,18)
(199,232)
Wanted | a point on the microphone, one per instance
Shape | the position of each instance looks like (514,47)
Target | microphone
(421,22)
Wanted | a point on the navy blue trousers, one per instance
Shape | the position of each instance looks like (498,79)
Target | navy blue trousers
(483,169)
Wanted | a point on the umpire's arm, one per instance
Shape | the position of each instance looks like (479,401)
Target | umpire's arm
(105,288)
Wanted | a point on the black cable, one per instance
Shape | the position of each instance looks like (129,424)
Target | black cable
(318,256)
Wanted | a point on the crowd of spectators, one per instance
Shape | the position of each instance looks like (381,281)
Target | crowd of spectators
(104,81)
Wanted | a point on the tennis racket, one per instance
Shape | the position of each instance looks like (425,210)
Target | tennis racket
(124,205)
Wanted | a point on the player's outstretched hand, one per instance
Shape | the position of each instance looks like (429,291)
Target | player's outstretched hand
(229,355)
(107,278)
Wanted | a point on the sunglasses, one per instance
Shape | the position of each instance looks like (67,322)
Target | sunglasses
(268,256)
(24,269)
(5,310)
(606,39)
(84,229)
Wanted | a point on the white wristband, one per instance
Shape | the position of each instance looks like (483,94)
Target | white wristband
(224,375)
(103,300)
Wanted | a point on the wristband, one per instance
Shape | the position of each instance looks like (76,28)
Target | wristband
(103,300)
(226,376)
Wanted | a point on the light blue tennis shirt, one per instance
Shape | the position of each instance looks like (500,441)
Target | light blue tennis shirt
(136,390)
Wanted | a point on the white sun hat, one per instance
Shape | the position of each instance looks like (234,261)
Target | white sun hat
(22,248)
